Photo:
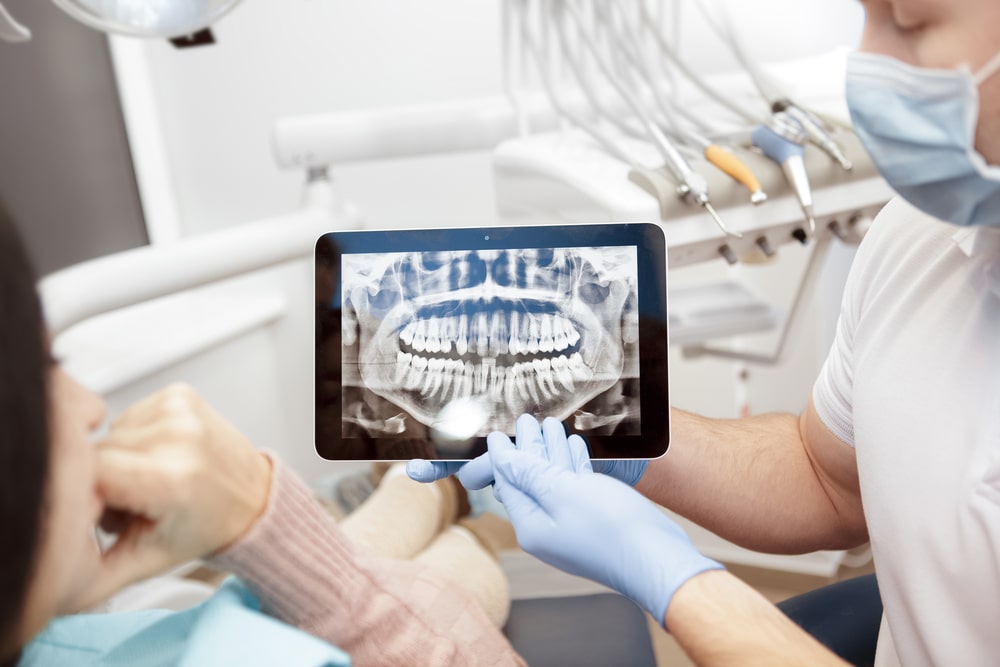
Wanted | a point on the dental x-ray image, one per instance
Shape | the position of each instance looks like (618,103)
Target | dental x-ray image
(428,340)
(547,331)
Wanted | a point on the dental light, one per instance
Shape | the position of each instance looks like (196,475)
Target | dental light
(136,18)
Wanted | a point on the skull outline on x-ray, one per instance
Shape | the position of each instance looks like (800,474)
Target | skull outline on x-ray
(540,331)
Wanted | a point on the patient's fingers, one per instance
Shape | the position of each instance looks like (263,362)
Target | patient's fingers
(151,407)
(134,556)
(137,413)
(114,521)
(126,481)
(136,437)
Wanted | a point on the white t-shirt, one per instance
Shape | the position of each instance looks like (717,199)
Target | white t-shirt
(913,383)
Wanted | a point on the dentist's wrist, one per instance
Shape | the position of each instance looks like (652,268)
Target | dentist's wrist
(658,573)
(659,606)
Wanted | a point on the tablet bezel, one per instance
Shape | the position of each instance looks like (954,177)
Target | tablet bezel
(651,267)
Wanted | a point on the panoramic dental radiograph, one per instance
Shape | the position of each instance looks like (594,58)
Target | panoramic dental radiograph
(490,334)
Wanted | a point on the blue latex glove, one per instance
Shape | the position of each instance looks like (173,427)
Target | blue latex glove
(629,471)
(478,473)
(586,524)
(474,474)
(422,470)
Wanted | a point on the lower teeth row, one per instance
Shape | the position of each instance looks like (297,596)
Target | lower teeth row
(450,379)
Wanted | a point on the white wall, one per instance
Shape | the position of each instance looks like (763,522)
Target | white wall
(216,105)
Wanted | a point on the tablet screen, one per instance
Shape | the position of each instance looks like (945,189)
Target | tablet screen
(427,340)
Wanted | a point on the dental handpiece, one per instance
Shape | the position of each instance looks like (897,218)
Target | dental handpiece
(781,138)
(731,165)
(736,169)
(690,184)
(815,130)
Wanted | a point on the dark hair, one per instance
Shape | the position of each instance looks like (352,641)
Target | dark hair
(24,428)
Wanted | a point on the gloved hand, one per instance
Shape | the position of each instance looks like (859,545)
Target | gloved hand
(586,524)
(422,470)
(474,474)
(478,473)
(629,471)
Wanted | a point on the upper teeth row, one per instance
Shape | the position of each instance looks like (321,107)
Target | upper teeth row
(491,334)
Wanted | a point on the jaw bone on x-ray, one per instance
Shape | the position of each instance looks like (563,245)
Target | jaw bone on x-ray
(542,331)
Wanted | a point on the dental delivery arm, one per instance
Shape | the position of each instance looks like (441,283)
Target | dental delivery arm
(718,620)
(773,483)
(300,565)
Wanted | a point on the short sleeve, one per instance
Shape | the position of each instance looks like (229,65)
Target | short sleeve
(832,393)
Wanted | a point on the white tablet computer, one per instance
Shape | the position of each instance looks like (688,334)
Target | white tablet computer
(429,339)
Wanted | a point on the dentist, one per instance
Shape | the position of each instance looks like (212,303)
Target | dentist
(899,443)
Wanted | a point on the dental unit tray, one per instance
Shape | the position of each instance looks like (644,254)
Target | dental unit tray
(427,340)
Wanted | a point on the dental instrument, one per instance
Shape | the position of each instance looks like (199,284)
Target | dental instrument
(690,184)
(715,154)
(817,132)
(732,166)
(782,139)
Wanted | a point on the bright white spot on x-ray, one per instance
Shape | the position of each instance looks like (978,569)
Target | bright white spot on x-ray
(461,420)
(542,331)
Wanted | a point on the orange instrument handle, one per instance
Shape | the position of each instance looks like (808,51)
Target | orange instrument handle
(736,168)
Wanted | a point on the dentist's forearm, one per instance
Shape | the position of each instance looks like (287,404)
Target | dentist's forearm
(718,620)
(755,482)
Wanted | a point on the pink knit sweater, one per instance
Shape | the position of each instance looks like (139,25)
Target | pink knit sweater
(382,612)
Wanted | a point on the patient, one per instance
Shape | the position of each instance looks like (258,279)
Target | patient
(176,482)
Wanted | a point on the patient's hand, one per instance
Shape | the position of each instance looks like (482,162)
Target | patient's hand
(180,480)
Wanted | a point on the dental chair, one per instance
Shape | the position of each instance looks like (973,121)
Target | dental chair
(844,617)
(585,631)
(605,628)
(558,619)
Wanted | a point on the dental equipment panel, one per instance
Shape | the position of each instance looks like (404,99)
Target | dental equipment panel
(427,340)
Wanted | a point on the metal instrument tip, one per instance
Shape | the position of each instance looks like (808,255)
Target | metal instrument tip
(715,216)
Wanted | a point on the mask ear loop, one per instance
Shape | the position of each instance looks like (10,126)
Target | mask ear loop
(986,170)
(987,70)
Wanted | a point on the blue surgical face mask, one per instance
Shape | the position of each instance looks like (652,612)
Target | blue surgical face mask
(919,126)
